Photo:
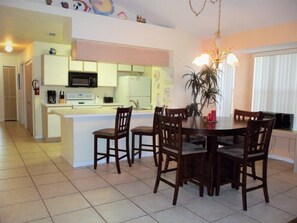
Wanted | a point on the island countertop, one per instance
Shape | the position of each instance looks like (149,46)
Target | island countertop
(94,112)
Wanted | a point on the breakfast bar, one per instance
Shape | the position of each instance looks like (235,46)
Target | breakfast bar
(77,126)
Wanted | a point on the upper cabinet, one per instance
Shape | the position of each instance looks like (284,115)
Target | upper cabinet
(130,68)
(87,66)
(54,70)
(107,75)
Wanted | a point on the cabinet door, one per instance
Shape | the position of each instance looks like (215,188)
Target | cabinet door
(124,67)
(54,70)
(90,66)
(137,68)
(76,65)
(107,75)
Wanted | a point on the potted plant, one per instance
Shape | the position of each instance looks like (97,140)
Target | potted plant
(203,84)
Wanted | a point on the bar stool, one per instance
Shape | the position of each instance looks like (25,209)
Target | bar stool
(121,130)
(149,131)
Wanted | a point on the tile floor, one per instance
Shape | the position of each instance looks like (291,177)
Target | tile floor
(37,185)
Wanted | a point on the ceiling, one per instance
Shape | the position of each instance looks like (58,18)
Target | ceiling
(23,26)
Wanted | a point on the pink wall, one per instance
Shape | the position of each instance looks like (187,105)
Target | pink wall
(253,41)
(96,51)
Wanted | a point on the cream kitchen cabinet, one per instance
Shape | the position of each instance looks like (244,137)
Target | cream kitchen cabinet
(137,68)
(54,70)
(107,75)
(124,67)
(51,123)
(86,66)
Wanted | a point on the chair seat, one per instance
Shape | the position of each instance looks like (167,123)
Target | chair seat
(188,148)
(143,130)
(196,139)
(237,151)
(229,140)
(105,132)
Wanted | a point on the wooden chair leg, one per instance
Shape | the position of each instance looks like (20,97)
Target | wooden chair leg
(253,166)
(202,180)
(177,183)
(158,173)
(218,175)
(140,146)
(243,185)
(127,151)
(95,152)
(155,151)
(107,150)
(116,150)
(133,148)
(167,162)
(265,187)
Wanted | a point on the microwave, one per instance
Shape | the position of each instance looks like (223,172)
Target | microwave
(82,79)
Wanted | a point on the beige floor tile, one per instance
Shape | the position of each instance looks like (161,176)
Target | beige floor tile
(66,203)
(134,189)
(8,150)
(142,172)
(37,170)
(65,166)
(90,183)
(128,211)
(285,203)
(151,182)
(11,165)
(79,173)
(15,183)
(23,212)
(12,173)
(43,220)
(152,203)
(103,195)
(278,185)
(177,215)
(184,196)
(115,178)
(56,189)
(236,218)
(49,178)
(10,158)
(88,215)
(265,213)
(291,193)
(18,196)
(38,155)
(4,141)
(38,162)
(209,209)
(144,219)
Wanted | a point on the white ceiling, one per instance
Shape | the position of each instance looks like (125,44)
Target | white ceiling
(236,16)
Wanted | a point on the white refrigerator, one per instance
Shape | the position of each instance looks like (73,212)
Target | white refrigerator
(133,88)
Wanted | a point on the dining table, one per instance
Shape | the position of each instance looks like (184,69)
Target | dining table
(223,126)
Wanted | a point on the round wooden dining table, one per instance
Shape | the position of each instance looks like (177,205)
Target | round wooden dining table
(223,126)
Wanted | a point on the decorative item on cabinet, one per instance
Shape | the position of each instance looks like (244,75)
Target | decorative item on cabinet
(52,51)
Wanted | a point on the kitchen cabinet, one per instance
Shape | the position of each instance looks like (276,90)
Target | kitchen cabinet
(124,67)
(54,70)
(87,66)
(107,75)
(283,145)
(51,123)
(137,68)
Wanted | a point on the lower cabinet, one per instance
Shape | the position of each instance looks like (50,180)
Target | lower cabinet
(51,123)
(283,145)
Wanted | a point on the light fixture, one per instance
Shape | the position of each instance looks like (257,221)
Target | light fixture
(217,55)
(8,47)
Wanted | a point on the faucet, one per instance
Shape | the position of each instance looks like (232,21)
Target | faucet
(136,104)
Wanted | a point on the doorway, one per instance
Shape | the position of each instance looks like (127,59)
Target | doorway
(10,104)
(28,93)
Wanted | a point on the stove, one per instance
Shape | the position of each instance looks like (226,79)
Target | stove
(81,100)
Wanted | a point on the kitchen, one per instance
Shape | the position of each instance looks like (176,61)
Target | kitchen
(115,85)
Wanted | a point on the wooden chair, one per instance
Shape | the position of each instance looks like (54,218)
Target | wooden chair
(149,131)
(121,130)
(183,113)
(189,157)
(255,148)
(240,115)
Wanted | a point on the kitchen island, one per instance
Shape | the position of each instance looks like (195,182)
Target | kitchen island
(77,126)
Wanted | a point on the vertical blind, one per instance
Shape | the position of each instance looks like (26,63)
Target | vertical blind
(275,84)
(226,85)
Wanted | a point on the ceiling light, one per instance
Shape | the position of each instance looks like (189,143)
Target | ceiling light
(8,47)
(216,55)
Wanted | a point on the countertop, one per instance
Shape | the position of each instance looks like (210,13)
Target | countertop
(70,105)
(85,112)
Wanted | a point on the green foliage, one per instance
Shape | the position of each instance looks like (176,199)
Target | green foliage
(203,84)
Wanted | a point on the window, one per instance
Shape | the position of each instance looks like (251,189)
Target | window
(275,84)
(226,85)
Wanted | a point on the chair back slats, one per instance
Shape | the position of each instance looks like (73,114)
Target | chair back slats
(258,137)
(158,111)
(170,135)
(122,123)
(177,112)
(242,115)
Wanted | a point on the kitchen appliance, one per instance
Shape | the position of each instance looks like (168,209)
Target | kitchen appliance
(134,88)
(82,79)
(51,97)
(108,99)
(81,100)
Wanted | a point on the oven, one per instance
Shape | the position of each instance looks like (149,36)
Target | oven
(81,100)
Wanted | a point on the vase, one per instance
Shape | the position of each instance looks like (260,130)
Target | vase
(52,51)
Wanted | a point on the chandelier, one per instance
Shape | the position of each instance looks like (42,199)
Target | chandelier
(216,55)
